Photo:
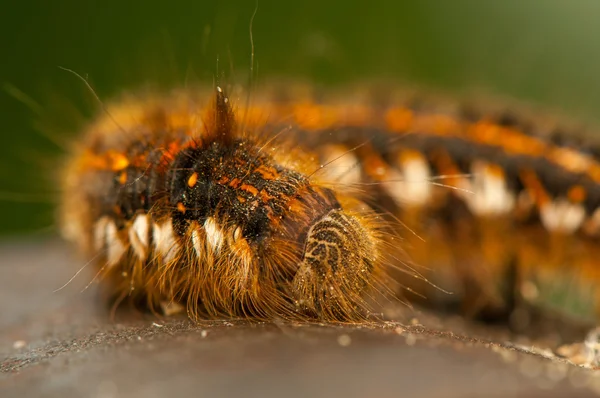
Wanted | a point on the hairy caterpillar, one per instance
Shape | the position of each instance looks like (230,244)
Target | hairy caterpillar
(283,209)
(192,209)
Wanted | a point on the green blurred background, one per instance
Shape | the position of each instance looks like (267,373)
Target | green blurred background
(545,51)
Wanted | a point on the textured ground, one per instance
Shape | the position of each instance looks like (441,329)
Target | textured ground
(55,344)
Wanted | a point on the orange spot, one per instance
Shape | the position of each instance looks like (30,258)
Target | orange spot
(234,183)
(268,173)
(576,194)
(571,160)
(511,140)
(241,199)
(265,197)
(594,172)
(169,155)
(535,188)
(446,166)
(375,167)
(223,180)
(123,178)
(495,170)
(408,155)
(118,161)
(192,180)
(181,207)
(399,119)
(249,188)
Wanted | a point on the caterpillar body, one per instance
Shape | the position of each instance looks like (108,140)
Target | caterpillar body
(298,208)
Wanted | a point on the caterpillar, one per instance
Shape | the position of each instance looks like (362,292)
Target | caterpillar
(306,208)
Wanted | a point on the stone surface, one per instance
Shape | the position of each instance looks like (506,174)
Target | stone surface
(64,343)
